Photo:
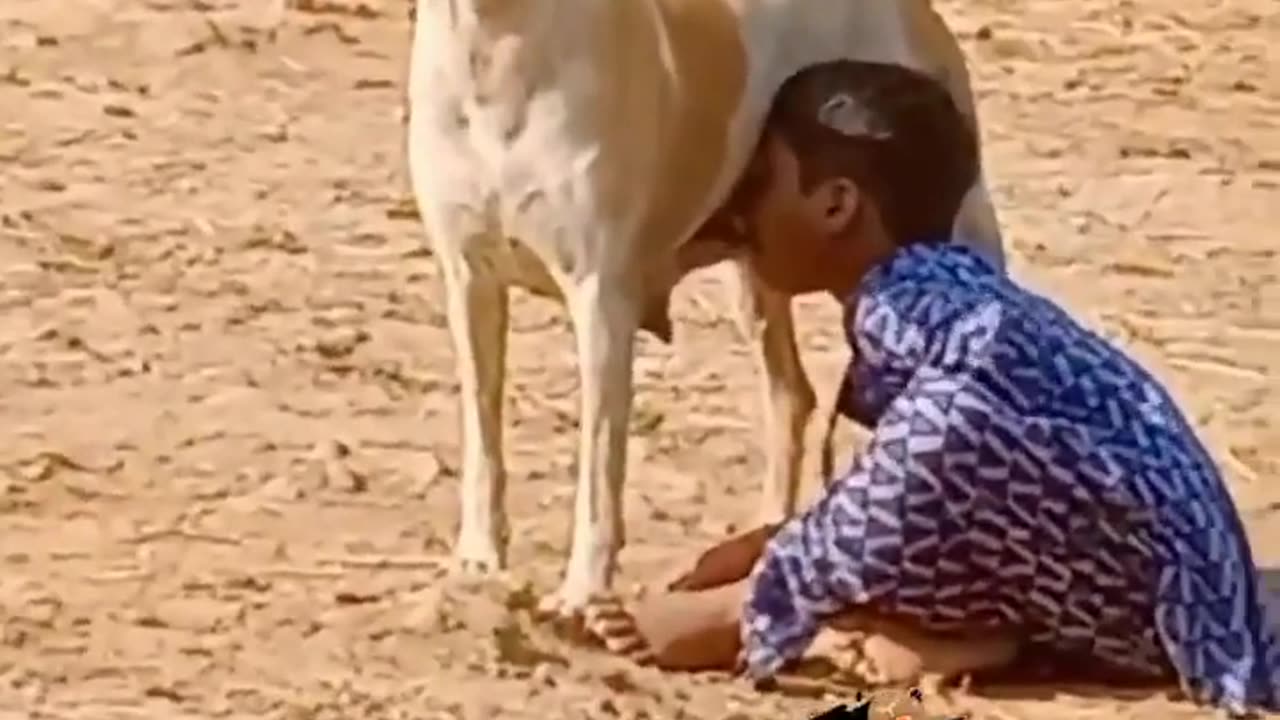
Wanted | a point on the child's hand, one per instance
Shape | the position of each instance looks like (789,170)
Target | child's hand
(725,563)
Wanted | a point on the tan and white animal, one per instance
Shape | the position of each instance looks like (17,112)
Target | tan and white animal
(569,147)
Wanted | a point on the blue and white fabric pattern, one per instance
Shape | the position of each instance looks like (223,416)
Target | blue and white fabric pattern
(1023,473)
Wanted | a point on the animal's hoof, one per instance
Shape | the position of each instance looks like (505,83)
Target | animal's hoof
(471,566)
(567,619)
(557,607)
(478,559)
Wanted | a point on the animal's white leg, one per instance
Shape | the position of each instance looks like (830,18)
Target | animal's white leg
(477,312)
(787,399)
(605,321)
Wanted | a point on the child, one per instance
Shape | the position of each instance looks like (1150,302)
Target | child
(1026,481)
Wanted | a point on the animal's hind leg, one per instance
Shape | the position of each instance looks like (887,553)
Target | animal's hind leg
(605,321)
(764,317)
(477,312)
(976,223)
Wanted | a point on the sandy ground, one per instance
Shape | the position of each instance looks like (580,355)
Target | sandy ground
(227,473)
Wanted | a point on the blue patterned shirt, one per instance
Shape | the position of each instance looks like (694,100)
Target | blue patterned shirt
(1023,473)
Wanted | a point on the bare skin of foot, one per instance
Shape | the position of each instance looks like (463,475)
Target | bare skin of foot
(898,653)
(692,623)
(689,621)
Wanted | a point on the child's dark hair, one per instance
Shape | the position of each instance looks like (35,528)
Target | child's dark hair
(893,131)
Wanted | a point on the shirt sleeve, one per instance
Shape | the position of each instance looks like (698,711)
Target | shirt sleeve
(792,588)
(830,558)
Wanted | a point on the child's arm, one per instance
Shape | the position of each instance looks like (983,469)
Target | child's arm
(912,343)
(853,547)
(728,562)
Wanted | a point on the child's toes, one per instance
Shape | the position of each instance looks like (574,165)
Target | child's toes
(609,621)
(642,654)
(622,638)
(605,617)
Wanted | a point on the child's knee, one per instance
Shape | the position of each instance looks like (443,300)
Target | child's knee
(693,630)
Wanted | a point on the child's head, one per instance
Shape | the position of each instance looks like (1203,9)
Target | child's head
(856,158)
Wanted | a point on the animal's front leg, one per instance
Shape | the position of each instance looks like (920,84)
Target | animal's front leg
(764,317)
(477,312)
(605,319)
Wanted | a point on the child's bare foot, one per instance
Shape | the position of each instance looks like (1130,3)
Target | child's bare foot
(896,653)
(675,631)
(613,625)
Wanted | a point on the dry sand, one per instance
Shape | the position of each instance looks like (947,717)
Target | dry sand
(227,473)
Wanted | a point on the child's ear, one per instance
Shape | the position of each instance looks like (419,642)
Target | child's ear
(840,199)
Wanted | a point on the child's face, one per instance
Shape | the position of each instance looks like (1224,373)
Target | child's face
(803,240)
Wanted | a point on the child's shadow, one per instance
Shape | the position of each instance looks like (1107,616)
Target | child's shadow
(1033,677)
(1045,678)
